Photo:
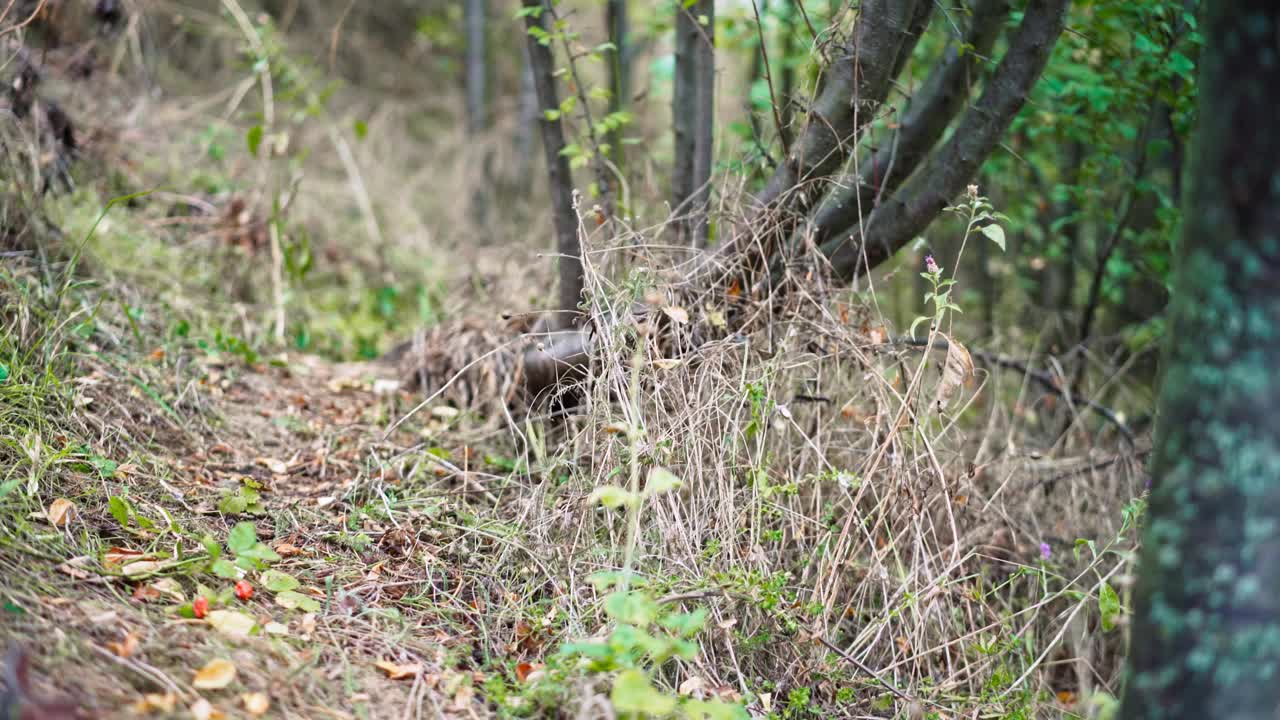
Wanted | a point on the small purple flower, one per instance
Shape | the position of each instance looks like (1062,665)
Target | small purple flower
(1045,550)
(930,265)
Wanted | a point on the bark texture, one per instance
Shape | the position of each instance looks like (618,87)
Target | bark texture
(945,174)
(704,117)
(1205,639)
(542,63)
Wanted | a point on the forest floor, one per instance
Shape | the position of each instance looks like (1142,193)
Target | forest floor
(205,511)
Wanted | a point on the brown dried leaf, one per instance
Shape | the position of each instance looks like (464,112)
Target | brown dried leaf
(956,371)
(399,672)
(678,315)
(155,702)
(126,647)
(61,512)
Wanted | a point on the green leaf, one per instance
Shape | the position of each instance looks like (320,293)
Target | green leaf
(4,373)
(611,496)
(277,581)
(1109,606)
(254,139)
(362,129)
(633,693)
(713,710)
(260,551)
(226,569)
(119,508)
(233,504)
(632,608)
(996,233)
(242,537)
(293,600)
(661,480)
(686,625)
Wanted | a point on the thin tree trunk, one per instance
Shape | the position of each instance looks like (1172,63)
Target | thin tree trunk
(477,72)
(704,119)
(542,62)
(1207,601)
(619,71)
(528,118)
(477,96)
(683,111)
(787,84)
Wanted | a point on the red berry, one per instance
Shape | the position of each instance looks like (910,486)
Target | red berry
(200,607)
(244,590)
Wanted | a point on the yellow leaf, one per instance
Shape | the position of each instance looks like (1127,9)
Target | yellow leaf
(215,675)
(677,314)
(398,672)
(61,512)
(155,702)
(256,703)
(126,647)
(232,623)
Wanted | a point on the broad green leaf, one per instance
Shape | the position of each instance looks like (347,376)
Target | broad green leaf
(633,693)
(661,480)
(242,537)
(712,710)
(224,568)
(631,607)
(996,233)
(1108,606)
(277,581)
(611,496)
(293,600)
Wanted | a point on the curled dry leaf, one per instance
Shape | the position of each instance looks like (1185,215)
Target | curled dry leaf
(256,703)
(215,675)
(139,568)
(957,370)
(678,315)
(399,672)
(126,647)
(117,556)
(61,512)
(277,467)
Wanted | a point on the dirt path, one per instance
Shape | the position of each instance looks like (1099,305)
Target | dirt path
(354,551)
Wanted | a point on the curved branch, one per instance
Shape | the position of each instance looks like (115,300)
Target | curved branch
(855,87)
(943,95)
(945,174)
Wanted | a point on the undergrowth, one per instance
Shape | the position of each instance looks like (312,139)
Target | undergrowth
(804,519)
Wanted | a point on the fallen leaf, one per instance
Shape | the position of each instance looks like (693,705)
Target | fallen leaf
(126,647)
(678,315)
(119,556)
(142,567)
(204,710)
(232,623)
(155,702)
(146,593)
(398,672)
(693,685)
(215,675)
(275,628)
(61,512)
(171,588)
(256,703)
(278,467)
(285,549)
(524,670)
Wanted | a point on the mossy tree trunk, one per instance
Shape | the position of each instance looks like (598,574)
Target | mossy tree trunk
(1205,639)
